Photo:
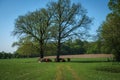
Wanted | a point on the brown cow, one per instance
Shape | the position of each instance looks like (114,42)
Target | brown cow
(45,60)
(60,60)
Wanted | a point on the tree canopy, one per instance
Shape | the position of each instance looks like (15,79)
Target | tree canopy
(110,29)
(35,26)
(68,20)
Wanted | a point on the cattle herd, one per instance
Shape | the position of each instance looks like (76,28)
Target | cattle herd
(55,60)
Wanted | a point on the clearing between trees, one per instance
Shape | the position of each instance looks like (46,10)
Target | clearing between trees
(84,56)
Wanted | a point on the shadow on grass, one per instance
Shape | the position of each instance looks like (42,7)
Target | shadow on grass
(111,69)
(88,61)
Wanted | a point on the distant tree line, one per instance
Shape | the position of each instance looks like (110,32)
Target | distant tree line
(69,47)
(5,55)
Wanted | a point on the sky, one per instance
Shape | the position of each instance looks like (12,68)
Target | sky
(11,9)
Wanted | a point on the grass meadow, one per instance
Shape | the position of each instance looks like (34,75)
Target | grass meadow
(77,69)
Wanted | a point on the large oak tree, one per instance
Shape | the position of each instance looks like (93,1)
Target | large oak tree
(36,26)
(67,20)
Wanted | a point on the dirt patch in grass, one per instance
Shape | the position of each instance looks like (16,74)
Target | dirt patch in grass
(84,56)
(59,75)
(74,74)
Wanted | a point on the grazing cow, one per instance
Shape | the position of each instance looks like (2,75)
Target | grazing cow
(46,60)
(68,59)
(60,60)
(63,60)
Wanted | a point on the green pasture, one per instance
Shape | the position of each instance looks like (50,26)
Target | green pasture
(77,69)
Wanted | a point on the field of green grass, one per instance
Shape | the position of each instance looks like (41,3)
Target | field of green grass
(77,69)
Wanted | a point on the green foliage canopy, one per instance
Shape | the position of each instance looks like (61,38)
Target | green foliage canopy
(110,31)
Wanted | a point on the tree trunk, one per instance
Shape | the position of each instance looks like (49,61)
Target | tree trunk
(117,55)
(41,49)
(58,50)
